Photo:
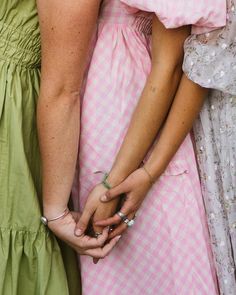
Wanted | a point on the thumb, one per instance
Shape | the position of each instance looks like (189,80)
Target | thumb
(83,222)
(115,192)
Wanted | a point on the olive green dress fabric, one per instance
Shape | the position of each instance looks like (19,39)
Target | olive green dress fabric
(31,261)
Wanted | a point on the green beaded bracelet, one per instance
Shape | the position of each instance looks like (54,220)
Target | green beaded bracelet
(105,183)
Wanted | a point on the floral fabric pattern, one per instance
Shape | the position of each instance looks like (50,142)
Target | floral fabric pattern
(210,60)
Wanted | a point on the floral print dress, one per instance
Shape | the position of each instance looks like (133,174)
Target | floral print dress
(210,60)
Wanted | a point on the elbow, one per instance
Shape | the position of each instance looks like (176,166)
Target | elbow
(66,92)
(168,68)
(68,100)
(166,75)
(60,94)
(176,70)
(70,97)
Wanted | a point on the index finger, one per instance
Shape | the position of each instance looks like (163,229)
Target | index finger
(109,221)
(115,219)
(121,228)
(83,221)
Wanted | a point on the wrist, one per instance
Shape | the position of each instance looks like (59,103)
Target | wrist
(45,220)
(153,170)
(114,178)
(53,210)
(151,179)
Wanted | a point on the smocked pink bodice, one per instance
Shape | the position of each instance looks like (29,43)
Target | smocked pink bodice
(117,13)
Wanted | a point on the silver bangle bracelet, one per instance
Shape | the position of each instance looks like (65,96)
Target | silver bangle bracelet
(45,221)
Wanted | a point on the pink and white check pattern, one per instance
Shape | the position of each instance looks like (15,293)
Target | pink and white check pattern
(167,251)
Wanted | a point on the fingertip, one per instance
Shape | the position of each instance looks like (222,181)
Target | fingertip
(104,234)
(95,260)
(108,194)
(116,239)
(104,198)
(79,232)
(106,229)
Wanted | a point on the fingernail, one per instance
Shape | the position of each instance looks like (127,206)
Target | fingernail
(104,198)
(108,229)
(118,238)
(78,232)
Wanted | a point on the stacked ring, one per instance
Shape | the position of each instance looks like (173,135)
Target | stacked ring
(125,219)
(96,235)
(129,222)
(122,216)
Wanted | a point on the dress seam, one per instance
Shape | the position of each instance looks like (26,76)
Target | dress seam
(12,60)
(23,229)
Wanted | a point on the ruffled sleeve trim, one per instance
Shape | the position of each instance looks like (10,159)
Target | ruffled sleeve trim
(205,15)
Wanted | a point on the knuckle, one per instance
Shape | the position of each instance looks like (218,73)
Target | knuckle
(133,208)
(124,228)
(117,220)
(103,255)
(100,243)
(82,245)
(82,224)
(109,195)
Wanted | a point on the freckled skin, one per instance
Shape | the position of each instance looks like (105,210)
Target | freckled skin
(153,89)
(66,28)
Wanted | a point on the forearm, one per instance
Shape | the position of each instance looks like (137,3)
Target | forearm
(66,30)
(186,106)
(155,100)
(58,126)
(146,122)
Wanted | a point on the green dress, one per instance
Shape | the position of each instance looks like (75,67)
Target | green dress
(31,261)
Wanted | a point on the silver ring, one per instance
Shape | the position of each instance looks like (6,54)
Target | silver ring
(129,222)
(122,216)
(96,235)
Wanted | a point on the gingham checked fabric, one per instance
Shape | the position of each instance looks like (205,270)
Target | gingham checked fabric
(205,15)
(167,251)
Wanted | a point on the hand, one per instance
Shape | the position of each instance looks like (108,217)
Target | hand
(84,245)
(135,186)
(95,210)
(104,211)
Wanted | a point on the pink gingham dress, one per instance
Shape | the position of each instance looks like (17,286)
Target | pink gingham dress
(167,251)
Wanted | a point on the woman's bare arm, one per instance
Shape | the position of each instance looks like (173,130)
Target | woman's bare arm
(156,99)
(152,109)
(186,106)
(66,29)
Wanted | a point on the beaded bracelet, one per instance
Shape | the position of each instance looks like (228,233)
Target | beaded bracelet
(105,183)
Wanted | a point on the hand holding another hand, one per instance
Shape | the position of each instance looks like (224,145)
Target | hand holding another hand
(64,229)
(135,187)
(95,210)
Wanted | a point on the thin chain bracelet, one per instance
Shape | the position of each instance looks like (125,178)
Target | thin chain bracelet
(152,181)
